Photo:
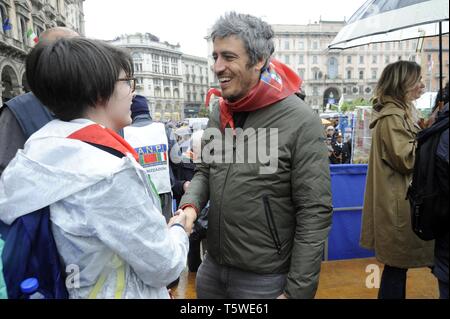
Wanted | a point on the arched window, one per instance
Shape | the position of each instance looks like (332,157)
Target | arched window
(317,74)
(38,30)
(23,30)
(332,68)
(10,83)
(361,74)
(3,18)
(349,74)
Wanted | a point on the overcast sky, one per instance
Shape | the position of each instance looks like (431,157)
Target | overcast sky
(186,21)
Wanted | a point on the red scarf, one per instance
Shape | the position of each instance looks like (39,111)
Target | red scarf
(276,83)
(104,136)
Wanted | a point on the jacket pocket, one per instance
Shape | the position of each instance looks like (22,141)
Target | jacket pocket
(271,224)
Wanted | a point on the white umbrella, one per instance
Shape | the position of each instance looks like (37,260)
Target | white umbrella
(394,20)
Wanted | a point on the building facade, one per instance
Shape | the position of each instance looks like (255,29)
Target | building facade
(21,22)
(331,74)
(195,83)
(430,62)
(158,73)
(327,74)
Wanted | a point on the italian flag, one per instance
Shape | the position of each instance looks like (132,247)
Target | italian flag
(31,35)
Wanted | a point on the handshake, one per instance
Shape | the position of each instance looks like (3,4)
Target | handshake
(185,218)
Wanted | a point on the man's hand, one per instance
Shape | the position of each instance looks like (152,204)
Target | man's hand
(178,218)
(190,216)
(282,296)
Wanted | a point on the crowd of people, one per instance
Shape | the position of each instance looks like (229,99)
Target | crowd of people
(131,199)
(339,151)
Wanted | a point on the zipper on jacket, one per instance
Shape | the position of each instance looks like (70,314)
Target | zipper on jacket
(220,213)
(271,224)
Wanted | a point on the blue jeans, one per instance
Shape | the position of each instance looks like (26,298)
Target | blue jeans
(222,282)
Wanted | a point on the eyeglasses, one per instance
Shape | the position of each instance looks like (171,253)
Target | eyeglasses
(131,83)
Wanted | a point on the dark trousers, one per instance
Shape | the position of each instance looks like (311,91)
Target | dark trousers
(443,289)
(194,254)
(393,283)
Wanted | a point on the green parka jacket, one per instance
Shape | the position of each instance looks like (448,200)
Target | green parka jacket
(274,215)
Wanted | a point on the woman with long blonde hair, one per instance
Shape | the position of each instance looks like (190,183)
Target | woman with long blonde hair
(386,223)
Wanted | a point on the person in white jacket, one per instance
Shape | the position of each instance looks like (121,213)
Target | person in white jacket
(106,217)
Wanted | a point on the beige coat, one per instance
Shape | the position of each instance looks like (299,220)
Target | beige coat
(386,221)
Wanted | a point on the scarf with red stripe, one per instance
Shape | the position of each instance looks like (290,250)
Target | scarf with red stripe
(96,134)
(276,83)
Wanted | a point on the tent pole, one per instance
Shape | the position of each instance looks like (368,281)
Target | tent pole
(440,66)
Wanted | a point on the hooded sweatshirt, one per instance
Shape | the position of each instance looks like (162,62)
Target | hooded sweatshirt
(106,220)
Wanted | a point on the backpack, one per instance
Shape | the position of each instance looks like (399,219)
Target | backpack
(30,251)
(429,203)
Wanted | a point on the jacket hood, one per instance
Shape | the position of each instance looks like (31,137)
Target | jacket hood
(391,107)
(142,120)
(52,167)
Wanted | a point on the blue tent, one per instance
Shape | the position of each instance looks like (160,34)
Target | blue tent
(347,186)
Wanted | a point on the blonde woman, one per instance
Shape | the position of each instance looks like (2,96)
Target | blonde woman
(386,224)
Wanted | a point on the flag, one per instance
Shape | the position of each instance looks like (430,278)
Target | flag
(32,35)
(6,25)
(341,102)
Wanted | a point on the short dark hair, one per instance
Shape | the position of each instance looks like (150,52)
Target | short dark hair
(70,75)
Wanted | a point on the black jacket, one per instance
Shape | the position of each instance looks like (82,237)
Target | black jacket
(441,252)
